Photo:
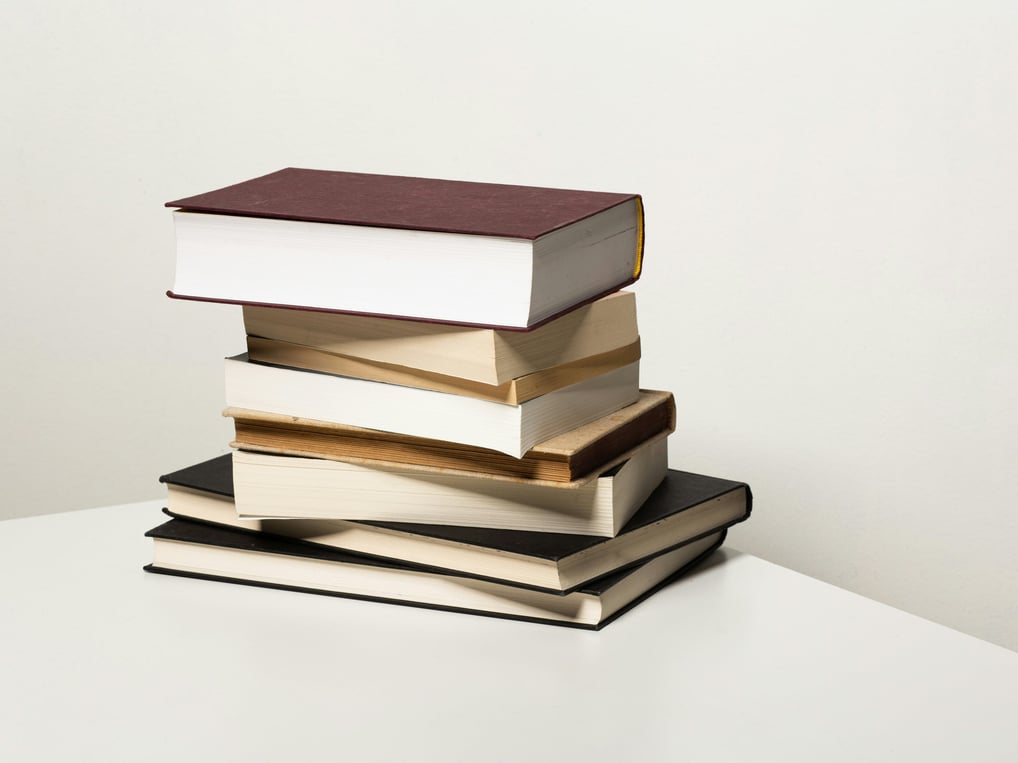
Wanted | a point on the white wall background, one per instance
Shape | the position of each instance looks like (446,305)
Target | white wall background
(831,267)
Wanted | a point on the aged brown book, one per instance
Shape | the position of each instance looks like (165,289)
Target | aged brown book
(409,247)
(488,356)
(574,457)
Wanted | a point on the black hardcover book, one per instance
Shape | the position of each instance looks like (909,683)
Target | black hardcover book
(202,550)
(685,508)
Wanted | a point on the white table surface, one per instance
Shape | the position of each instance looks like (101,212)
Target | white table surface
(743,660)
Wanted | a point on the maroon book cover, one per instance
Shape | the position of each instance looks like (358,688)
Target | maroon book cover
(389,201)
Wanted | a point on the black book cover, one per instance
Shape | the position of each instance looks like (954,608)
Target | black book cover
(206,534)
(678,492)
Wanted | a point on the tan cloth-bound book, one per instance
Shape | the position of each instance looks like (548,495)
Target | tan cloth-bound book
(513,392)
(484,355)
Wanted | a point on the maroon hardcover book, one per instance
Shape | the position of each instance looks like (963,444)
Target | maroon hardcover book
(389,201)
(580,245)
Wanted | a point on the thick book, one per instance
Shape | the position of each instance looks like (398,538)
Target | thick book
(574,456)
(488,356)
(510,429)
(512,392)
(444,250)
(287,487)
(684,508)
(198,550)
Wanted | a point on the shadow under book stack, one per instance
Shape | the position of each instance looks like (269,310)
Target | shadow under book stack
(439,405)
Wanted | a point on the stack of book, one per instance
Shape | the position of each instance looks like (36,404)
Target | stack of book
(439,404)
